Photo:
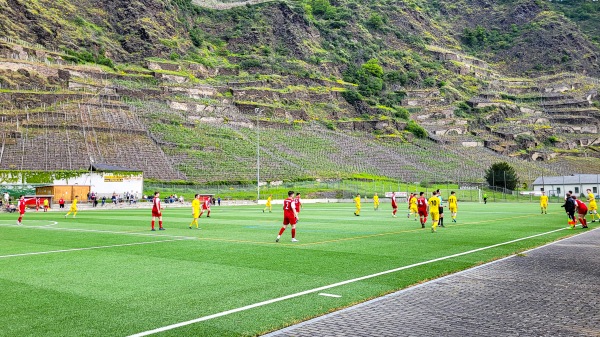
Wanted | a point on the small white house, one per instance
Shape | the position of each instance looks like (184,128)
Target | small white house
(105,180)
(558,186)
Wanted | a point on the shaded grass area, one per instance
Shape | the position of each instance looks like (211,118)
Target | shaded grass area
(135,280)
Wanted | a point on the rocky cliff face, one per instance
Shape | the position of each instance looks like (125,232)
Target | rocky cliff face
(525,36)
(533,36)
(126,30)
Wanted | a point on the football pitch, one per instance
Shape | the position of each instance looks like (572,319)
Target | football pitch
(105,273)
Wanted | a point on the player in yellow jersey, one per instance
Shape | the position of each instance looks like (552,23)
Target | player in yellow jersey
(592,207)
(195,210)
(357,203)
(268,204)
(544,203)
(73,208)
(453,205)
(376,202)
(434,211)
(412,206)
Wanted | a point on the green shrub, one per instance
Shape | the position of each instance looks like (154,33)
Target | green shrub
(375,21)
(401,113)
(351,96)
(416,129)
(250,63)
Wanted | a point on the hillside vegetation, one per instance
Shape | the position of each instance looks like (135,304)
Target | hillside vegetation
(413,90)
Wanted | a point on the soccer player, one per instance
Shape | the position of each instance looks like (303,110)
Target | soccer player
(412,202)
(422,209)
(394,204)
(453,205)
(21,209)
(592,207)
(290,217)
(408,200)
(357,204)
(544,203)
(206,207)
(46,205)
(484,198)
(37,204)
(376,202)
(73,208)
(570,206)
(268,204)
(157,212)
(434,210)
(61,203)
(195,210)
(581,209)
(440,207)
(298,203)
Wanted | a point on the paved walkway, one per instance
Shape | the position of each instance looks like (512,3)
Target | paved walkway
(550,291)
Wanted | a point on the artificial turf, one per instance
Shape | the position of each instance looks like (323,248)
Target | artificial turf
(130,280)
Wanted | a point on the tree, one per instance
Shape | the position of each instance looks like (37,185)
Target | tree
(502,175)
(376,21)
(373,68)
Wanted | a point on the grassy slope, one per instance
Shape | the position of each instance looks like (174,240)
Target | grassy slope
(231,262)
(585,13)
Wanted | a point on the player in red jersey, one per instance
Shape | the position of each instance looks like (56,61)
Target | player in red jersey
(21,209)
(37,204)
(290,216)
(298,203)
(422,209)
(206,207)
(394,204)
(157,212)
(581,209)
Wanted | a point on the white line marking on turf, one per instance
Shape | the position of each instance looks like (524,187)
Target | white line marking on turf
(315,290)
(99,231)
(330,295)
(87,248)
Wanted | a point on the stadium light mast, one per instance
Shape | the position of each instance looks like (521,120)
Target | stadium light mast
(257,111)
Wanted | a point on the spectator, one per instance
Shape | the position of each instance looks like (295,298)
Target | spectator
(219,200)
(103,201)
(11,208)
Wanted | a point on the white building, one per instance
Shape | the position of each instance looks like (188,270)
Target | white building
(105,180)
(558,186)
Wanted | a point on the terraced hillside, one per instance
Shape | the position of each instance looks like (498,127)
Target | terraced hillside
(387,92)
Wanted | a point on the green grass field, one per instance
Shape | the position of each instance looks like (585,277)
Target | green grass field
(105,274)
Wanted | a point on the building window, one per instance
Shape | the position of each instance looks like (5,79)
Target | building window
(595,190)
(558,190)
(576,189)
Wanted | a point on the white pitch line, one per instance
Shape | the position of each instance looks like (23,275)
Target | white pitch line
(315,290)
(87,248)
(329,295)
(47,227)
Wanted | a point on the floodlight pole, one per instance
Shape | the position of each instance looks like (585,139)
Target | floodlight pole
(257,111)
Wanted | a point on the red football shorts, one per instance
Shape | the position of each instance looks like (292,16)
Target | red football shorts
(156,213)
(422,212)
(289,220)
